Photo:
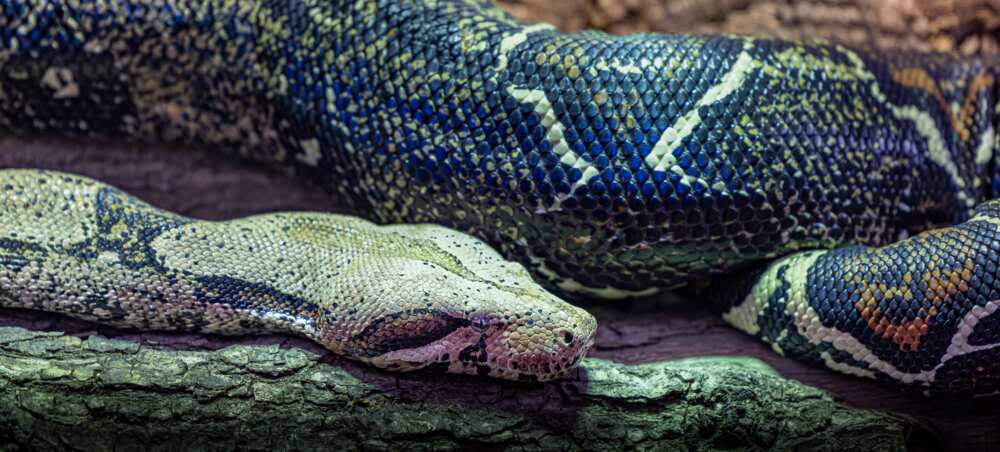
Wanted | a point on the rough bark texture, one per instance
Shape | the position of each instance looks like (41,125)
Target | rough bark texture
(63,392)
(59,390)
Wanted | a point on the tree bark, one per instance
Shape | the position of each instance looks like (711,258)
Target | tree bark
(64,392)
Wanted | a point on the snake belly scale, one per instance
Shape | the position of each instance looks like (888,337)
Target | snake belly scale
(810,178)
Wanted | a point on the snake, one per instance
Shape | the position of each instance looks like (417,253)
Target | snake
(834,202)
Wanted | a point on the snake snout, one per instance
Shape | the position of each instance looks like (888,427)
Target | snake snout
(541,343)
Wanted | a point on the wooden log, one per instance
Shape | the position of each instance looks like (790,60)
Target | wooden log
(62,392)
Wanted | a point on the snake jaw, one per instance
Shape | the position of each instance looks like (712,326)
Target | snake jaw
(536,338)
(525,333)
(491,345)
(434,353)
(430,316)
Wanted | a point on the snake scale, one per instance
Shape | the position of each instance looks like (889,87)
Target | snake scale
(811,187)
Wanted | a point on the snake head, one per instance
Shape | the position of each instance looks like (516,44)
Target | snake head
(443,299)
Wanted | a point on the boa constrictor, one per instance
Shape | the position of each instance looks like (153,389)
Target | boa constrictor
(797,179)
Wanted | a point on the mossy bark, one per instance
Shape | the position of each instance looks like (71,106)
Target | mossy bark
(64,392)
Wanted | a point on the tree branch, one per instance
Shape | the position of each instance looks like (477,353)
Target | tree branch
(64,392)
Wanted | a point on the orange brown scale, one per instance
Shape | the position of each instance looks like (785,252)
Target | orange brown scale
(920,311)
(941,286)
(961,120)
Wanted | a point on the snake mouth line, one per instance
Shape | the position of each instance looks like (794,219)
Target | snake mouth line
(413,329)
(477,345)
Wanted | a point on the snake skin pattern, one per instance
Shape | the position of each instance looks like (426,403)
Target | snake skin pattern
(398,297)
(610,166)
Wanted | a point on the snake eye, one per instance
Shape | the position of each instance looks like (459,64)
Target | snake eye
(480,322)
(567,337)
(406,330)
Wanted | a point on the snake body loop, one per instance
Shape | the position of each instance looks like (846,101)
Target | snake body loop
(609,166)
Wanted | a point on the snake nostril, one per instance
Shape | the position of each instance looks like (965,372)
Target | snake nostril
(568,337)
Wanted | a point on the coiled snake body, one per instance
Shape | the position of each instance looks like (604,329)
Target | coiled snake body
(608,166)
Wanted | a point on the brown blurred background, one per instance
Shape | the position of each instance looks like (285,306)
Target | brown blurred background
(964,26)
